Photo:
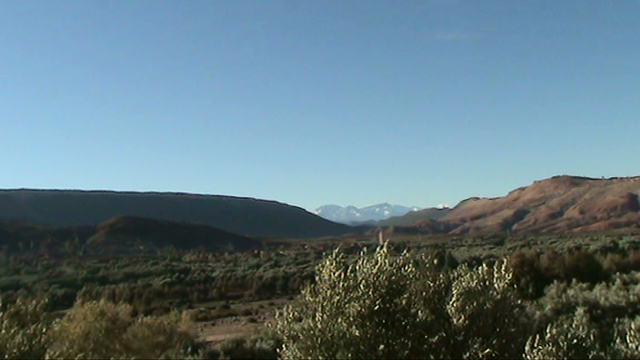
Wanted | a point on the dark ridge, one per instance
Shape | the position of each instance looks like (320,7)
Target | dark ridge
(244,216)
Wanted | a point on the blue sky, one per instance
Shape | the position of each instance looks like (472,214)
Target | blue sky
(316,102)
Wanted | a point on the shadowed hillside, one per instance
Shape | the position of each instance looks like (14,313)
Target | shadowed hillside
(245,216)
(128,232)
(17,236)
(124,235)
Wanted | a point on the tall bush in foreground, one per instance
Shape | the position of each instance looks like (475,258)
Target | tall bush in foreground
(23,329)
(93,330)
(385,306)
(102,330)
(488,319)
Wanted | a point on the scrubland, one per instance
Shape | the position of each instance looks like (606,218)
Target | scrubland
(532,297)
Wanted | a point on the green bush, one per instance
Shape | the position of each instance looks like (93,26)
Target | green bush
(582,321)
(534,271)
(260,346)
(384,306)
(489,320)
(99,330)
(623,261)
(94,330)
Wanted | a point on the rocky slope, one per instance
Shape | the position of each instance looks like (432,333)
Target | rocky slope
(555,205)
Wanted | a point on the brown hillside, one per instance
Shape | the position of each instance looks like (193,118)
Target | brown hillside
(555,205)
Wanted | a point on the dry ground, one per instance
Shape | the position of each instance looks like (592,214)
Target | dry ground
(263,313)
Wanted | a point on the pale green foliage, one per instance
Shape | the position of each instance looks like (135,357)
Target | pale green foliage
(94,330)
(487,316)
(91,331)
(99,330)
(627,338)
(569,337)
(385,306)
(258,346)
(356,311)
(584,321)
(23,330)
(159,337)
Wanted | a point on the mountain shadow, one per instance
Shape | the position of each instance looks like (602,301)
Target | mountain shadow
(244,216)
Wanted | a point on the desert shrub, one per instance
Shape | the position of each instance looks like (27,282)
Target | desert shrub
(359,310)
(99,330)
(580,320)
(623,262)
(91,330)
(529,279)
(159,337)
(381,306)
(626,344)
(487,316)
(571,336)
(23,329)
(581,336)
(259,346)
(534,271)
(583,266)
(578,264)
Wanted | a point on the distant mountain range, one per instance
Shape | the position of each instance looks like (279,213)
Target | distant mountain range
(369,214)
(55,220)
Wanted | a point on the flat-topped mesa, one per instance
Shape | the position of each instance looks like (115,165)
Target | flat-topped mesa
(555,205)
(241,215)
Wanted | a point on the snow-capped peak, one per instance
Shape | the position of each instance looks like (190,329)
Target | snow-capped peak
(351,214)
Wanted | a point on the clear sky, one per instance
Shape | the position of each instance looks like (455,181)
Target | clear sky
(318,102)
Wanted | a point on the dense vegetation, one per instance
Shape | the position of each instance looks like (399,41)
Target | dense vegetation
(563,299)
(155,284)
(406,306)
